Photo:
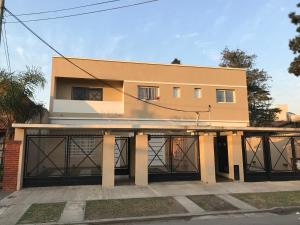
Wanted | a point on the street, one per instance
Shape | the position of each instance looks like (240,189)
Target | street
(245,219)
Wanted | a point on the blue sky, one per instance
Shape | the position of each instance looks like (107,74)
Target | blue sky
(194,31)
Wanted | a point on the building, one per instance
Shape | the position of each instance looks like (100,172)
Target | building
(147,122)
(77,98)
(286,118)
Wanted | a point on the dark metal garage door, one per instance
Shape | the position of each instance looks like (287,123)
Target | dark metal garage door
(173,158)
(62,160)
(271,157)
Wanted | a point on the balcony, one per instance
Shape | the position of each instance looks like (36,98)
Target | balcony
(79,106)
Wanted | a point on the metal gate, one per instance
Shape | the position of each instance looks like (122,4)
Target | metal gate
(62,160)
(271,157)
(173,158)
(121,156)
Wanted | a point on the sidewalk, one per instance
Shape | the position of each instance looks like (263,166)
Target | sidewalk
(15,205)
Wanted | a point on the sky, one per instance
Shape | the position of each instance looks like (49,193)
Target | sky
(195,31)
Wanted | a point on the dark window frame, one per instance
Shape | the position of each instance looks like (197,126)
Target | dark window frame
(86,94)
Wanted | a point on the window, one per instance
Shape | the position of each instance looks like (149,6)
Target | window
(148,93)
(91,94)
(176,92)
(198,93)
(225,96)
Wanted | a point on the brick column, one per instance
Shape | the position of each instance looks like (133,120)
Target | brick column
(11,165)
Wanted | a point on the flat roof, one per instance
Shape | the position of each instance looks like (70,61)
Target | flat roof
(154,127)
(151,63)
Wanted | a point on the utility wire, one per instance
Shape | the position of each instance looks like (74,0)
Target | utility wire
(5,45)
(87,13)
(66,9)
(96,78)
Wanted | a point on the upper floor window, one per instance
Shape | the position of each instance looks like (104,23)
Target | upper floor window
(225,96)
(176,92)
(89,94)
(198,93)
(148,93)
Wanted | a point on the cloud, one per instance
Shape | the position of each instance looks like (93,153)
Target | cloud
(188,35)
(110,46)
(220,21)
(20,52)
(247,37)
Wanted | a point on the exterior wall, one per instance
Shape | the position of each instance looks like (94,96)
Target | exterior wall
(283,115)
(130,75)
(207,158)
(11,166)
(64,88)
(235,154)
(220,111)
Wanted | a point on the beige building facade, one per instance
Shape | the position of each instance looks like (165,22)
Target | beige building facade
(188,88)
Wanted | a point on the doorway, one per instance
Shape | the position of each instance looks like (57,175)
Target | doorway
(221,159)
(122,176)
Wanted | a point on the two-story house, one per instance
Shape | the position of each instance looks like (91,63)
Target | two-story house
(146,121)
(218,94)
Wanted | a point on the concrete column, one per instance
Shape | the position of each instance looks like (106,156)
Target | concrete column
(207,158)
(141,159)
(235,154)
(20,136)
(108,161)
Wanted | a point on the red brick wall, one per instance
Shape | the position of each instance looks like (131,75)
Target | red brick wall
(11,163)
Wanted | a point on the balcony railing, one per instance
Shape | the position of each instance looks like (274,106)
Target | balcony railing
(78,106)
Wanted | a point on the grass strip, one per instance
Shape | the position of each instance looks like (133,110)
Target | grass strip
(268,200)
(42,213)
(118,208)
(211,203)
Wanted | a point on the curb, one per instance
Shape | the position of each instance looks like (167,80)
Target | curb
(278,210)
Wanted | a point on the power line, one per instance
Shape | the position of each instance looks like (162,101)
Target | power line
(87,13)
(5,45)
(65,9)
(96,78)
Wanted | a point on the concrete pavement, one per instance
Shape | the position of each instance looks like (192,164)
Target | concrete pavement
(13,206)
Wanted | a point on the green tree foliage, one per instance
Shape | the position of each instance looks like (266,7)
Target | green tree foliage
(261,112)
(295,44)
(17,91)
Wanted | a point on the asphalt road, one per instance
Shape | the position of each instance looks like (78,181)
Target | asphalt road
(247,219)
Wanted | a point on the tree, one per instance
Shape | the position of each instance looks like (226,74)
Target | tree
(260,101)
(17,90)
(295,44)
(176,61)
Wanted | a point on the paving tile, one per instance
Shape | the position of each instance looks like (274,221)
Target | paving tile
(73,212)
(236,202)
(189,205)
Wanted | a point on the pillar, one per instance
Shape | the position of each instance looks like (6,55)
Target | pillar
(207,158)
(108,161)
(20,136)
(14,162)
(11,166)
(235,154)
(141,159)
